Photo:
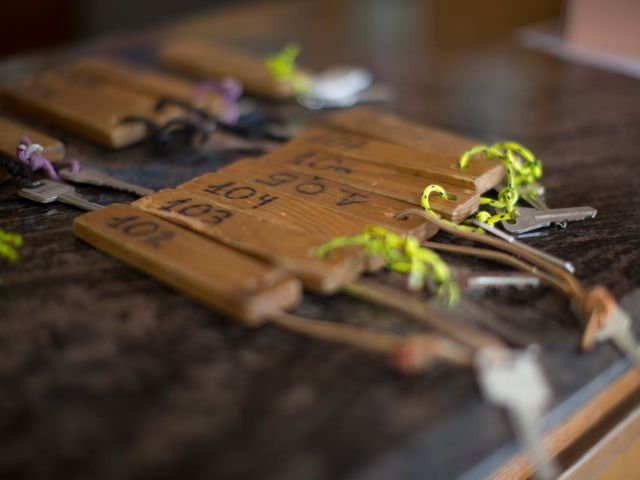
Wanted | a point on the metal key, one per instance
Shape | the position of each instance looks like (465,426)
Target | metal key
(91,176)
(48,191)
(481,280)
(568,266)
(618,330)
(515,381)
(534,194)
(529,219)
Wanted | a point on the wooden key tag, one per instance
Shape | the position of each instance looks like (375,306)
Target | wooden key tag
(304,216)
(364,205)
(252,234)
(213,274)
(87,105)
(375,178)
(480,176)
(11,134)
(393,129)
(206,59)
(240,286)
(151,82)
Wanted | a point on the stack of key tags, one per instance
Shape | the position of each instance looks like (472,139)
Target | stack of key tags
(275,77)
(87,100)
(277,210)
(117,104)
(258,223)
(361,169)
(326,183)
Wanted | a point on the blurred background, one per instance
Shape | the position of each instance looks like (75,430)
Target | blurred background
(30,24)
(600,33)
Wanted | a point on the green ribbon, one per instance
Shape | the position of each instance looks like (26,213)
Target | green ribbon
(402,254)
(9,245)
(522,167)
(282,66)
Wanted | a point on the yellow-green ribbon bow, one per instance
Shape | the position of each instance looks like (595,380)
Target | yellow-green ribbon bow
(402,254)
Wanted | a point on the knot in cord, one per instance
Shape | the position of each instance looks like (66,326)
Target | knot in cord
(31,159)
(402,254)
(597,305)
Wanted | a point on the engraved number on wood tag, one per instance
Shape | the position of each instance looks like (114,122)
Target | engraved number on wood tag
(344,142)
(211,215)
(314,187)
(351,198)
(321,162)
(240,193)
(150,231)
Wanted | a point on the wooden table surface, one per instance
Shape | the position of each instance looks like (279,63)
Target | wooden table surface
(105,373)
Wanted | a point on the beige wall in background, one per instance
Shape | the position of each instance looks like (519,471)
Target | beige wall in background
(611,26)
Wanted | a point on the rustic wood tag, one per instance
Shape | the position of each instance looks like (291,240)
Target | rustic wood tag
(12,132)
(204,59)
(307,217)
(86,104)
(213,274)
(375,178)
(479,175)
(151,82)
(270,241)
(393,129)
(375,209)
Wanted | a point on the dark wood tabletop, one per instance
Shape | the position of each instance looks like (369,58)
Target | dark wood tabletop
(106,373)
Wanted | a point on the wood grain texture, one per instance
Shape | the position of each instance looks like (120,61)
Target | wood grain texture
(247,231)
(296,214)
(378,179)
(153,82)
(106,373)
(228,281)
(394,129)
(566,434)
(614,456)
(205,59)
(12,132)
(85,104)
(375,209)
(480,175)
